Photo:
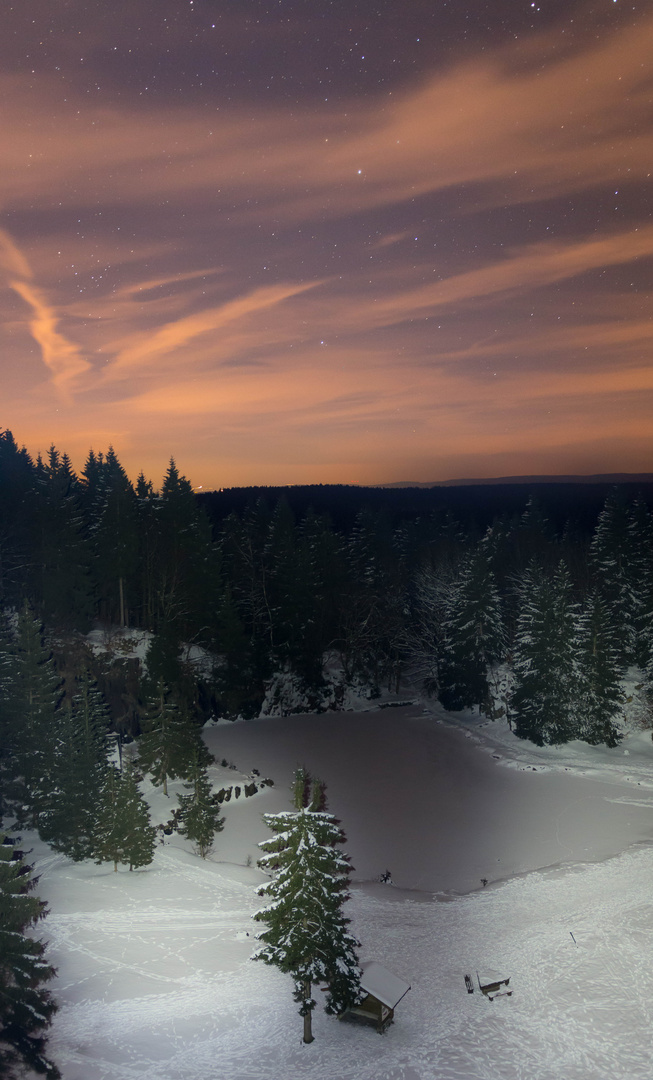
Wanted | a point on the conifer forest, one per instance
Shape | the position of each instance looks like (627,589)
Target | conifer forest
(264,604)
(523,615)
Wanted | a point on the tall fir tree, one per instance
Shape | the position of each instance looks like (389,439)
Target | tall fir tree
(61,580)
(32,695)
(198,815)
(124,833)
(307,935)
(170,743)
(640,572)
(114,523)
(183,566)
(17,480)
(26,1005)
(146,501)
(473,636)
(72,809)
(370,630)
(599,675)
(8,734)
(546,698)
(611,554)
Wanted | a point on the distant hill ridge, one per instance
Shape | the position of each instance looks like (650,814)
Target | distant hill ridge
(598,478)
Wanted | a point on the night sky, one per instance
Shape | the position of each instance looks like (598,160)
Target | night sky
(312,242)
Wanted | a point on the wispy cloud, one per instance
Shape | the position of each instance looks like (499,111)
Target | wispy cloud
(174,336)
(61,357)
(527,121)
(12,259)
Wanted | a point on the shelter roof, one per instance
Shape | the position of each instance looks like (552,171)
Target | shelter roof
(383,984)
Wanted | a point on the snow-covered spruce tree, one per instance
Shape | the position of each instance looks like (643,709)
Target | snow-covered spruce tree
(545,699)
(306,933)
(198,814)
(6,727)
(599,674)
(640,569)
(124,833)
(26,1006)
(70,816)
(429,598)
(611,555)
(170,743)
(473,637)
(32,694)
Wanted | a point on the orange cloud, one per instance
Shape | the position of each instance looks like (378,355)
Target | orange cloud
(59,355)
(11,258)
(176,335)
(534,267)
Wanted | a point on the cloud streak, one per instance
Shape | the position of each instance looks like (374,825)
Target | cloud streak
(174,336)
(61,357)
(525,121)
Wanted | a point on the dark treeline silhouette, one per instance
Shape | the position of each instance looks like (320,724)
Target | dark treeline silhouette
(475,506)
(530,601)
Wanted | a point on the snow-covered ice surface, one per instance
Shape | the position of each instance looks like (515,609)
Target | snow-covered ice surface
(155,980)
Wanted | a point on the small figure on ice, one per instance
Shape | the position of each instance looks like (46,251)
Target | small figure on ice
(387,878)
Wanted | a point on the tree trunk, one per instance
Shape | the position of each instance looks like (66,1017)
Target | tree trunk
(308,1018)
(121,592)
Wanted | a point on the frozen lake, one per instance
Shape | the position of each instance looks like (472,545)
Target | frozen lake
(417,797)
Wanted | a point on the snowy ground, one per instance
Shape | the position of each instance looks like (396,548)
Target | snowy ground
(154,976)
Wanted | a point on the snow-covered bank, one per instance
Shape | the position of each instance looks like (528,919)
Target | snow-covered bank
(156,983)
(155,979)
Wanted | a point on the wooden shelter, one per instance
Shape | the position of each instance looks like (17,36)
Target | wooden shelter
(383,990)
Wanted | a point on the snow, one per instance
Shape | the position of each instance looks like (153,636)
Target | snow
(155,979)
(113,641)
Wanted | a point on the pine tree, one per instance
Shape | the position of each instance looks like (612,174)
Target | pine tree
(113,514)
(599,675)
(198,814)
(546,695)
(70,817)
(32,694)
(640,573)
(26,1007)
(124,833)
(7,733)
(370,621)
(473,636)
(147,531)
(170,743)
(61,584)
(17,480)
(306,933)
(183,563)
(612,554)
